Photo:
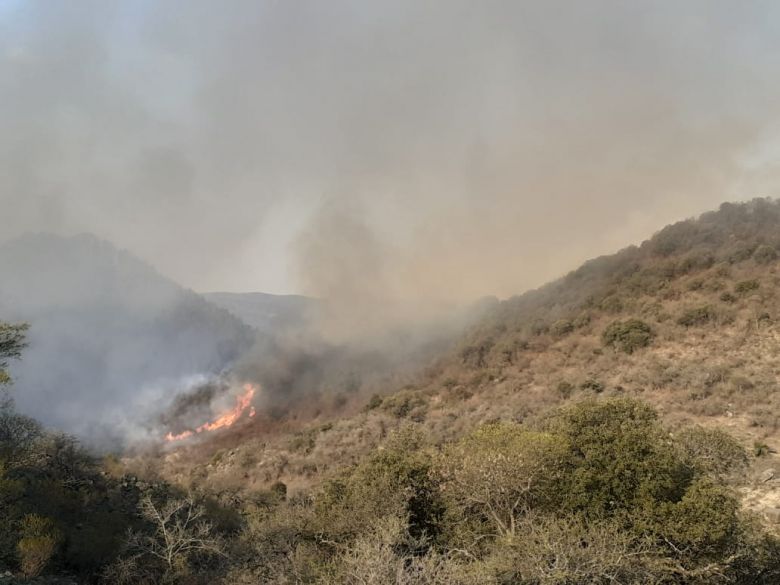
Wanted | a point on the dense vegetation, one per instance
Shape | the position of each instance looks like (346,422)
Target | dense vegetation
(595,492)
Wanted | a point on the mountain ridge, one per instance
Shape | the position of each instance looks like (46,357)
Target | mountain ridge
(106,330)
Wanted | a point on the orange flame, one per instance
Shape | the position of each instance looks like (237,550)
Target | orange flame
(227,419)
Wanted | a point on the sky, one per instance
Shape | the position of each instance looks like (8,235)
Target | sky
(413,149)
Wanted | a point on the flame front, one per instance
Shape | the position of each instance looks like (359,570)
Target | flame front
(227,419)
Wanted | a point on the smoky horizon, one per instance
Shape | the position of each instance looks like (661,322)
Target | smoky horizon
(437,151)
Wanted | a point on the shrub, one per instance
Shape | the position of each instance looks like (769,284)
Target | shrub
(565,389)
(562,328)
(703,523)
(697,316)
(592,384)
(741,254)
(374,402)
(712,451)
(761,449)
(582,321)
(500,470)
(405,403)
(622,459)
(40,539)
(612,304)
(765,255)
(628,336)
(727,297)
(563,551)
(746,286)
(392,481)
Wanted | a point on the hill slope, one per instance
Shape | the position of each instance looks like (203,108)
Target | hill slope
(109,336)
(688,321)
(265,312)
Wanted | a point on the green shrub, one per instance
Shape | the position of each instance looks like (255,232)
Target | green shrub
(697,316)
(500,470)
(562,327)
(374,402)
(746,286)
(612,304)
(623,462)
(582,321)
(392,481)
(628,336)
(405,403)
(761,449)
(727,297)
(712,451)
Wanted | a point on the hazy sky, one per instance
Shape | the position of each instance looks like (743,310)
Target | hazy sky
(444,149)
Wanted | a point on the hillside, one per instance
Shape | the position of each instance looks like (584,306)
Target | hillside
(265,312)
(111,339)
(618,425)
(706,291)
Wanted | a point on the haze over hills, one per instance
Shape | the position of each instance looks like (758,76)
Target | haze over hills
(623,418)
(111,340)
(687,321)
(113,343)
(265,312)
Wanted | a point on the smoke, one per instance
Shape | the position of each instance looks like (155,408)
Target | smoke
(394,159)
(476,148)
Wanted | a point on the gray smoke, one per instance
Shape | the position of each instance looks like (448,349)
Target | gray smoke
(395,159)
(484,146)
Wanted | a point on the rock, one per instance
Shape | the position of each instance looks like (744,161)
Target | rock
(766,475)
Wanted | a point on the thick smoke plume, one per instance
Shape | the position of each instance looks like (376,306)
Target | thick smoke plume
(393,159)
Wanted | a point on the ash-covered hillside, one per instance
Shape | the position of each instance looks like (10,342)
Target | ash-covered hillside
(110,338)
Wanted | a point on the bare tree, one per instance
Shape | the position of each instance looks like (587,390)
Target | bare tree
(181,532)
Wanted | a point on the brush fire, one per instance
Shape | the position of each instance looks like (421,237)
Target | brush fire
(226,419)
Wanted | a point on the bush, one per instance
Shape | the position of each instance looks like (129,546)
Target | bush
(592,384)
(746,286)
(393,481)
(40,539)
(761,449)
(374,402)
(612,304)
(765,255)
(500,470)
(727,297)
(405,403)
(565,389)
(562,328)
(697,316)
(628,336)
(622,460)
(712,451)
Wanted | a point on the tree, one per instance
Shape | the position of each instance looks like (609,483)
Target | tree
(502,470)
(179,534)
(12,342)
(622,459)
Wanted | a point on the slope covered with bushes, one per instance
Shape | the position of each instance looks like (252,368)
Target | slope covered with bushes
(615,426)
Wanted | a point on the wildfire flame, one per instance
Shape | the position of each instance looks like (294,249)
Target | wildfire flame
(227,419)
